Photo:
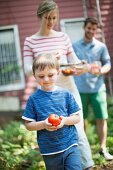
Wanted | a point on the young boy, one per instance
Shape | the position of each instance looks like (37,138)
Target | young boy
(57,144)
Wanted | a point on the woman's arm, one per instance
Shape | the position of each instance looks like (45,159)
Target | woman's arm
(28,56)
(72,58)
(80,67)
(28,61)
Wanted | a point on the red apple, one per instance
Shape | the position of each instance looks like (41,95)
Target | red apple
(54,119)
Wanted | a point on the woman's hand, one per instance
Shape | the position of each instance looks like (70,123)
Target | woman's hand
(81,69)
(58,54)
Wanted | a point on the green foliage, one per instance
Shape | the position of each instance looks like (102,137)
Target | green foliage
(9,68)
(18,148)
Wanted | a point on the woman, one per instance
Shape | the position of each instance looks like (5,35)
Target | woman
(49,40)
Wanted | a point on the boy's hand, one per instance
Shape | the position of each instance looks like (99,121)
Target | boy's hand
(48,126)
(63,119)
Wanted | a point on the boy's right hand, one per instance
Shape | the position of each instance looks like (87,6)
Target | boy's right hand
(48,126)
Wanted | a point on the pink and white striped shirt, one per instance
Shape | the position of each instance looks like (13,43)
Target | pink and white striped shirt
(36,44)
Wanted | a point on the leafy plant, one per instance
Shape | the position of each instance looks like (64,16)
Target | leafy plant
(19,151)
(18,148)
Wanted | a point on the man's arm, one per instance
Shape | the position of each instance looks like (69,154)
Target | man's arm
(105,69)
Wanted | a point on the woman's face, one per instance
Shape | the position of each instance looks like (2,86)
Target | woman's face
(49,19)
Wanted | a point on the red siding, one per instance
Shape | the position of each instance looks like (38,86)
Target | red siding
(107,18)
(23,13)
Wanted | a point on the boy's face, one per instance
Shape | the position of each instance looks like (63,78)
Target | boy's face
(46,78)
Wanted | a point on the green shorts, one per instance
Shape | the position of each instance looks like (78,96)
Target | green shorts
(98,103)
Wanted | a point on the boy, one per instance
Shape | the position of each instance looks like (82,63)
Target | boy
(57,144)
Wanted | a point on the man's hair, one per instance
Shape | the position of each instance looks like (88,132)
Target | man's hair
(45,60)
(46,6)
(91,20)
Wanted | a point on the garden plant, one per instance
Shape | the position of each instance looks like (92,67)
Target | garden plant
(19,150)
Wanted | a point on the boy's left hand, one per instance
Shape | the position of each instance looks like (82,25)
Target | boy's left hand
(62,122)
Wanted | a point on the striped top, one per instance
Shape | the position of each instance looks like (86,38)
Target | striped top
(36,44)
(39,106)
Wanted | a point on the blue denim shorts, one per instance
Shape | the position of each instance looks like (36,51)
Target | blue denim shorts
(67,160)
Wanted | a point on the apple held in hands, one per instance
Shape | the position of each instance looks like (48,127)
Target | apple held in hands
(54,119)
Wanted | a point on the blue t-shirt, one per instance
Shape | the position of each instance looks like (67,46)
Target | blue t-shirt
(39,106)
(94,51)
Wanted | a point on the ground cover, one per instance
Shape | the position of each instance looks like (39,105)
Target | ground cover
(18,147)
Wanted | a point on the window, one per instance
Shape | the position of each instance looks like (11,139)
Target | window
(73,27)
(11,73)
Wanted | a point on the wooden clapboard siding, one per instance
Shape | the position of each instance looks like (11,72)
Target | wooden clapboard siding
(107,18)
(23,13)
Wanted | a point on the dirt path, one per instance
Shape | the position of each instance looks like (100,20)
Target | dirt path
(108,166)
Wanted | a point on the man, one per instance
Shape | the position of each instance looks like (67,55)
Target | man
(91,85)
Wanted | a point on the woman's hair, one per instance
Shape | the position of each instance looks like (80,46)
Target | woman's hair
(45,60)
(46,6)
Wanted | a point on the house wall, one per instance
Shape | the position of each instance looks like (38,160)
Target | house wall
(23,13)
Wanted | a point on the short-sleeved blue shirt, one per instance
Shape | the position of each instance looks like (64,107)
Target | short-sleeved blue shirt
(39,106)
(94,51)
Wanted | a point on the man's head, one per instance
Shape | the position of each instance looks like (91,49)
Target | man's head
(45,70)
(90,28)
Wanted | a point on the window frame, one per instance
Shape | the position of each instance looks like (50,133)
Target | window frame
(21,84)
(63,23)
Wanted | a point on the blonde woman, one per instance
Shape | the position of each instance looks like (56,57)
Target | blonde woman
(47,40)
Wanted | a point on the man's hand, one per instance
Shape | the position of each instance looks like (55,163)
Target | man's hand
(95,69)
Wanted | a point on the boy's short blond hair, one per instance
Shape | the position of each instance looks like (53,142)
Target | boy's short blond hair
(45,60)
